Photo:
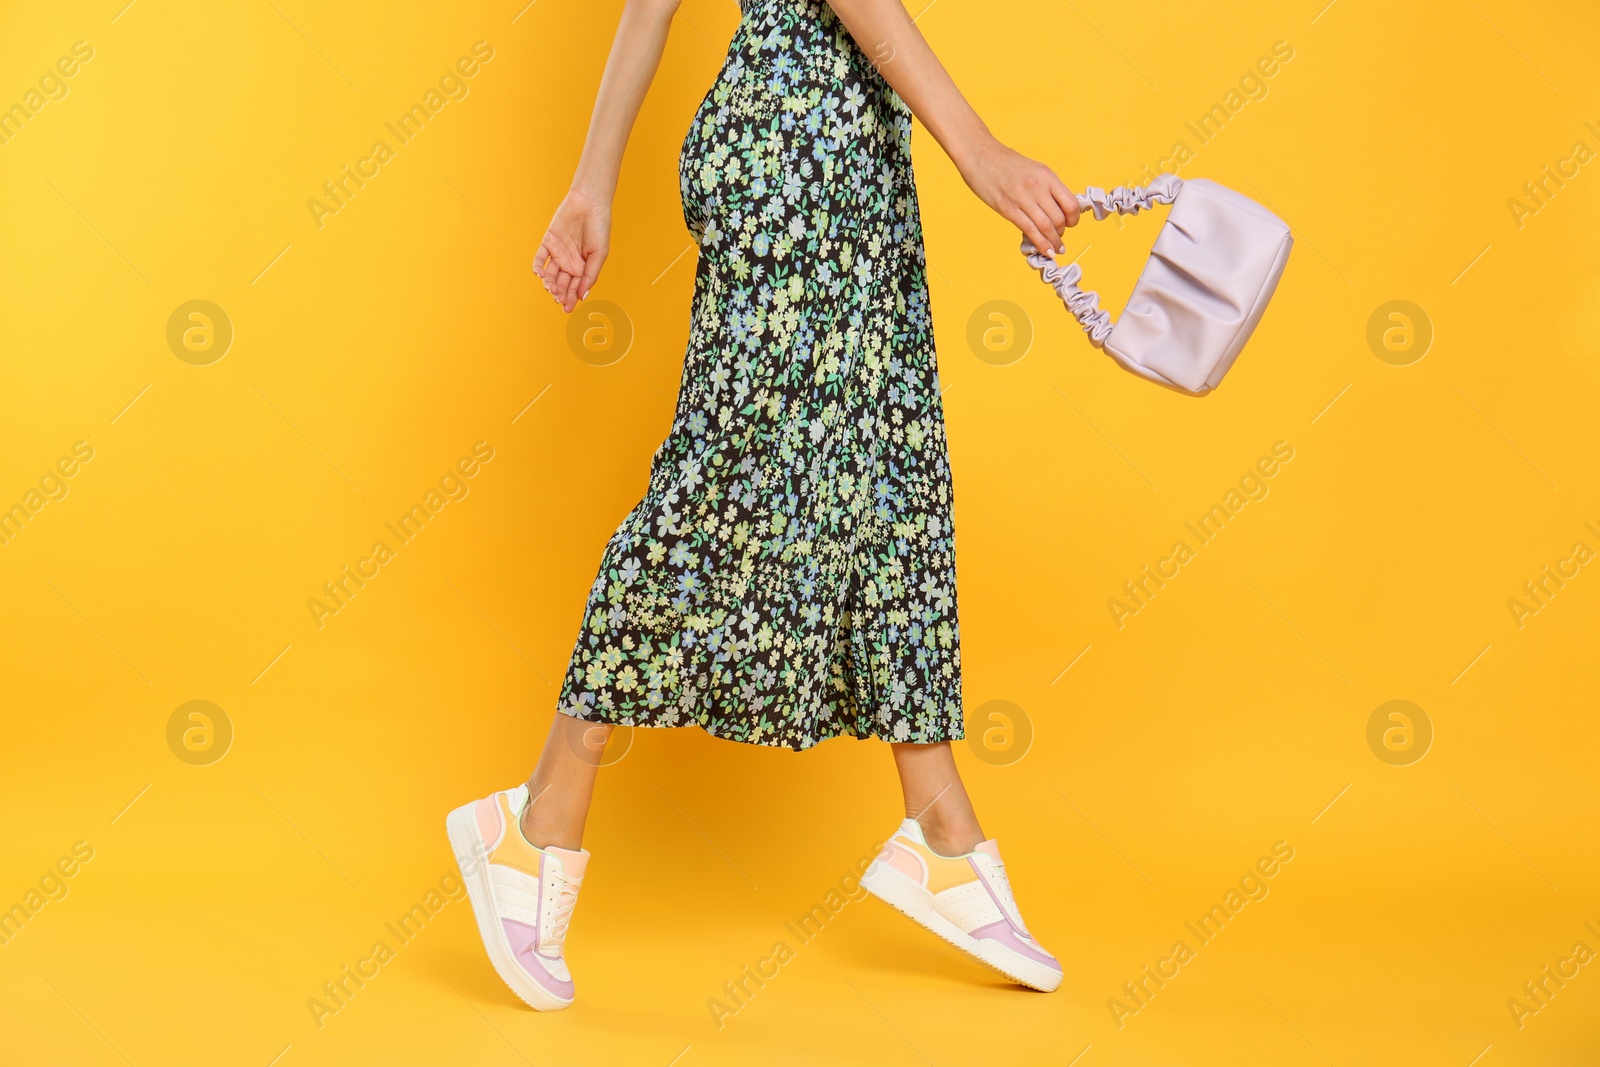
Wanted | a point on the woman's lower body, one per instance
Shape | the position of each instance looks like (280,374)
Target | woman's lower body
(789,575)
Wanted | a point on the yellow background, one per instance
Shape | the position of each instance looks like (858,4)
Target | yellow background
(1225,716)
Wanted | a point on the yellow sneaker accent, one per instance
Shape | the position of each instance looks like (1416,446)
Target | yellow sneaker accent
(514,849)
(944,872)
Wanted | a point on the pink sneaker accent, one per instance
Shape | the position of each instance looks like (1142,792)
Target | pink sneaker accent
(1006,934)
(524,941)
(905,861)
(490,824)
(574,862)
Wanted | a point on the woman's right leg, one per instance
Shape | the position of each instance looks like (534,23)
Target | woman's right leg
(936,798)
(940,870)
(563,783)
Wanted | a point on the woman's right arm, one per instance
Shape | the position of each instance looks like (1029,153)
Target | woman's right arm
(1020,189)
(579,237)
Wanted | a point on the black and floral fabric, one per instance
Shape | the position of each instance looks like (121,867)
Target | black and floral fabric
(789,575)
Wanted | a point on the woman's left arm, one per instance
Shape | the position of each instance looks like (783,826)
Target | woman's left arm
(1024,191)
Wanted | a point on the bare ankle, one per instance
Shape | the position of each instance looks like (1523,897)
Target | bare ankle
(543,823)
(539,834)
(947,839)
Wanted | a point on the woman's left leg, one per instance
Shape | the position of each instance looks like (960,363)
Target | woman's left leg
(522,862)
(936,798)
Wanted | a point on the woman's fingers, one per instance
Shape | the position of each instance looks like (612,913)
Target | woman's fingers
(549,270)
(1041,221)
(1067,199)
(561,271)
(591,273)
(1031,231)
(1053,212)
(554,250)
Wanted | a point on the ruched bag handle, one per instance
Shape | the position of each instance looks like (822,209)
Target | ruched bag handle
(1085,303)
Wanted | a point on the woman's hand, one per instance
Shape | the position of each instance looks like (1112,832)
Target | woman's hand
(574,247)
(1025,192)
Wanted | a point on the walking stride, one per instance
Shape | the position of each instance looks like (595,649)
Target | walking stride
(789,575)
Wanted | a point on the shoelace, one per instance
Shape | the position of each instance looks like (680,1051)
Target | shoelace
(1010,900)
(566,899)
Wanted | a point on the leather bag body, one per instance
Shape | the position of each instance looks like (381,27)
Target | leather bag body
(1213,269)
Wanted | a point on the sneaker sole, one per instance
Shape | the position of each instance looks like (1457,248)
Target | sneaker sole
(916,903)
(472,858)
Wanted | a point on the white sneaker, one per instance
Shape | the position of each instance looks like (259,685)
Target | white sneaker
(522,896)
(966,900)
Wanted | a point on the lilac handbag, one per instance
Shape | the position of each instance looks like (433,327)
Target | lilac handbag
(1215,265)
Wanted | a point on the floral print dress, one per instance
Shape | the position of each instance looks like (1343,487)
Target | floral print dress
(789,575)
